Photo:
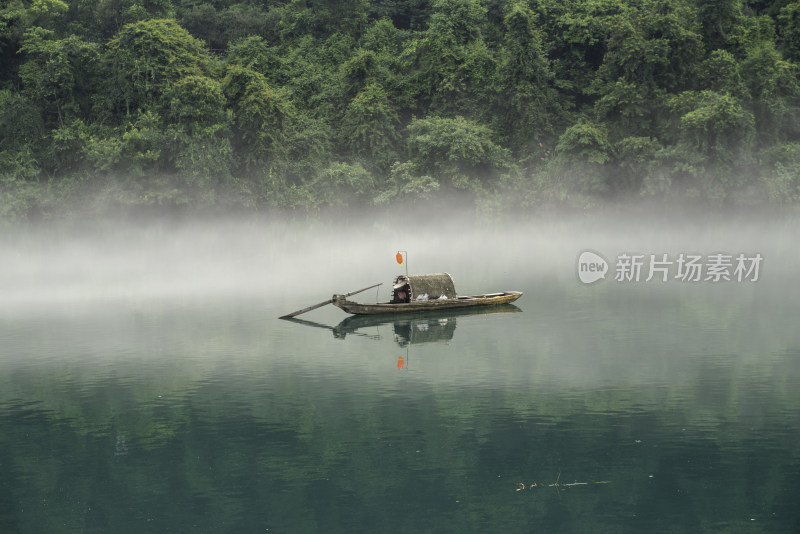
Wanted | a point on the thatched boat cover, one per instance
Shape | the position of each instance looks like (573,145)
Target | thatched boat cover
(434,285)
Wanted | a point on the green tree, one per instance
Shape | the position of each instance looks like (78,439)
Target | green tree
(774,93)
(100,20)
(713,141)
(361,69)
(716,125)
(14,21)
(370,125)
(782,179)
(196,102)
(342,184)
(404,14)
(338,16)
(636,159)
(203,160)
(723,25)
(46,12)
(457,151)
(198,117)
(452,68)
(527,103)
(405,185)
(256,54)
(59,75)
(632,109)
(576,38)
(239,21)
(140,148)
(581,163)
(382,37)
(789,31)
(21,137)
(145,58)
(203,21)
(309,80)
(261,116)
(720,72)
(653,50)
(656,45)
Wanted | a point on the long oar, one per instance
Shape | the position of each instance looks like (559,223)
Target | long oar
(321,304)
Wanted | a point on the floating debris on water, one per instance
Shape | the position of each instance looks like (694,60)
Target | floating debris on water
(557,484)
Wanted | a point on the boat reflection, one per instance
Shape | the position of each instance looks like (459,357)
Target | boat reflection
(410,330)
(407,328)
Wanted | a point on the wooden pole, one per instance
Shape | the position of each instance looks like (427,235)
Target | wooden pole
(323,303)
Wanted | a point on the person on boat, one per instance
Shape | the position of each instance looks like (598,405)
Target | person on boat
(401,293)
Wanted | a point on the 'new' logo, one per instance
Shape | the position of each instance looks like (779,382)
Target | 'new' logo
(591,267)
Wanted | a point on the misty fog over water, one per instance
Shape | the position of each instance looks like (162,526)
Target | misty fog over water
(277,259)
(109,269)
(145,374)
(273,267)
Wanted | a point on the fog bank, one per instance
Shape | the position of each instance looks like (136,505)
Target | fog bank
(270,258)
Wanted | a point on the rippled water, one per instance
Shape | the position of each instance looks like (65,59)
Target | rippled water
(604,408)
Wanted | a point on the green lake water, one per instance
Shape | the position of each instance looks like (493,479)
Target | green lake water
(146,384)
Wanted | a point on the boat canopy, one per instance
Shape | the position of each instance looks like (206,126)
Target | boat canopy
(435,286)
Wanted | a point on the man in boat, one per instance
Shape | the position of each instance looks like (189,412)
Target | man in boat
(401,292)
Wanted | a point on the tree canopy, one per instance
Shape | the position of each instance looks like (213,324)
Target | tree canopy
(311,103)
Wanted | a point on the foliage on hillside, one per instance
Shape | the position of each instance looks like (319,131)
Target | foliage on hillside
(106,104)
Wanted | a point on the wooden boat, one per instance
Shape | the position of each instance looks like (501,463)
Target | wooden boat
(408,328)
(415,328)
(413,294)
(488,299)
(423,293)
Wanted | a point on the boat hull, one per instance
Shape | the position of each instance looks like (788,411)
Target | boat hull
(474,301)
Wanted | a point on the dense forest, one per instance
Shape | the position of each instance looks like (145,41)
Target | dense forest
(305,104)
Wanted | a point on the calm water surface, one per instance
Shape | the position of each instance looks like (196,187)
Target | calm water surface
(604,408)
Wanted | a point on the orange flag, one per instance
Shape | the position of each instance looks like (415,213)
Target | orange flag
(399,259)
